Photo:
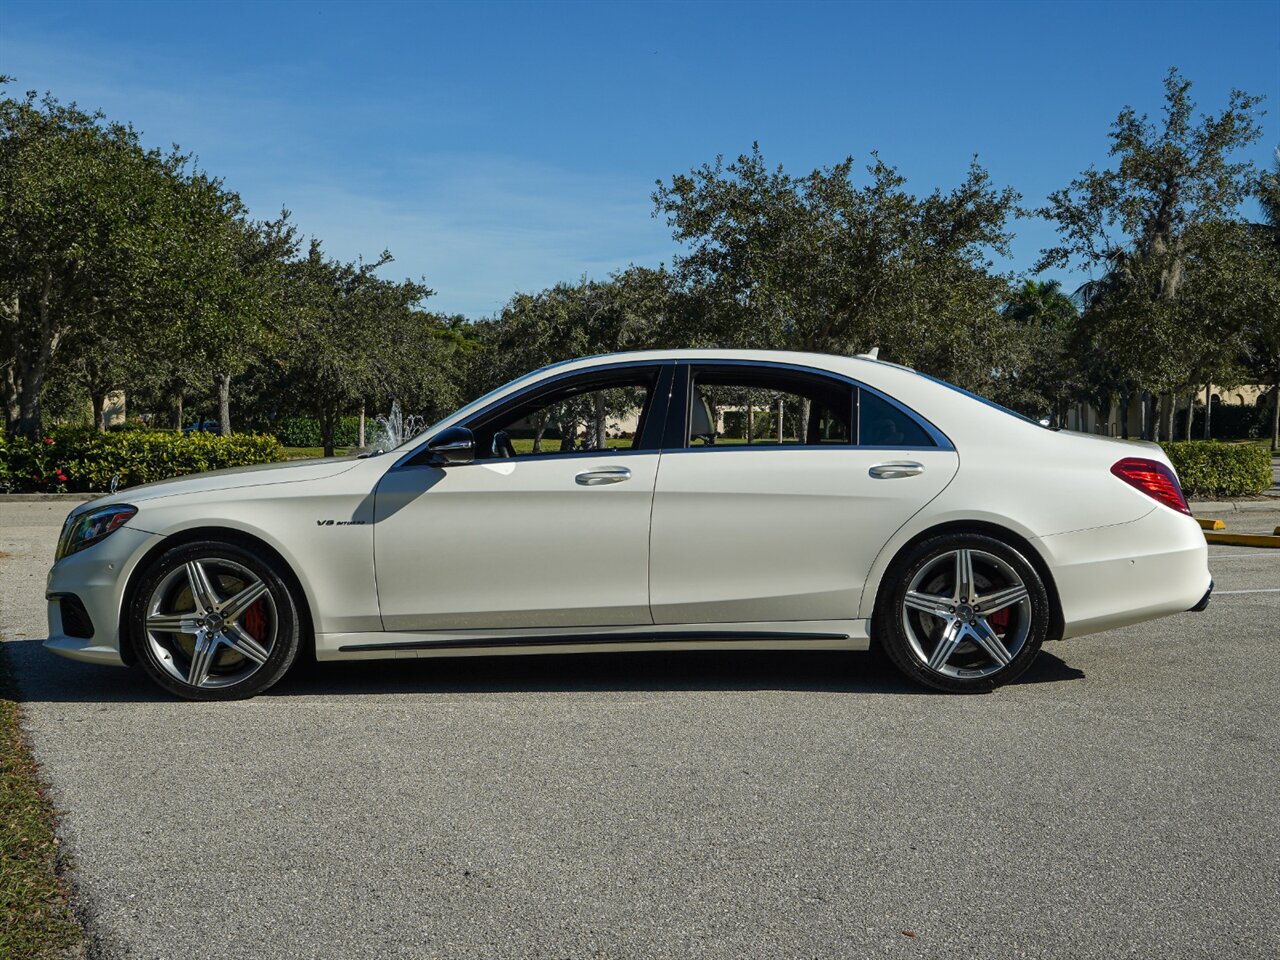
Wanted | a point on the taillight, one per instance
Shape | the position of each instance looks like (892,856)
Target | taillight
(1154,479)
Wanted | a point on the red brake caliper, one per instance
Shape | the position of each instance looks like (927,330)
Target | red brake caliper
(1000,621)
(255,621)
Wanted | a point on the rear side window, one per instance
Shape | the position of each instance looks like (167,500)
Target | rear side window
(768,407)
(881,424)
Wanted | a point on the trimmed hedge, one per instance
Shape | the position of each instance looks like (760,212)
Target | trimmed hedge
(305,431)
(1212,469)
(85,461)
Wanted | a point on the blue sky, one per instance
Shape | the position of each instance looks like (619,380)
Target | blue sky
(503,147)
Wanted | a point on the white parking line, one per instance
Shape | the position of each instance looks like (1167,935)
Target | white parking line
(1234,556)
(1222,593)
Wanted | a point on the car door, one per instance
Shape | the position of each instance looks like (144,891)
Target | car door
(548,527)
(767,507)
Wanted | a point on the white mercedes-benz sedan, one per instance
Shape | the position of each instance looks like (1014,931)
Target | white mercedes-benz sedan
(665,500)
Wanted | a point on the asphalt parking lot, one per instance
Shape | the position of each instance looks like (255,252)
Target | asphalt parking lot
(1119,802)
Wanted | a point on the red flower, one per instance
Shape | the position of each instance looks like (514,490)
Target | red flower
(61,476)
(48,440)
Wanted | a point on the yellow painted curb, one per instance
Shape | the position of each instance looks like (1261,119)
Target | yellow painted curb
(1245,539)
(1211,524)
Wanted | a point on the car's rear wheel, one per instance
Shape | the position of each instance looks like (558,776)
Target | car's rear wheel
(214,621)
(964,613)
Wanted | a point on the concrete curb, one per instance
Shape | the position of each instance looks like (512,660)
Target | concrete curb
(1244,539)
(1234,506)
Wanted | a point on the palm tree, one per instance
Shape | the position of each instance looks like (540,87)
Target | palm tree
(1047,319)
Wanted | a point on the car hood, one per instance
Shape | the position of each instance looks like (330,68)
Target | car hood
(209,481)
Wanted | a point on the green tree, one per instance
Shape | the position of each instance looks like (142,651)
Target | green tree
(354,335)
(634,309)
(1152,225)
(238,303)
(87,219)
(1050,379)
(1262,264)
(819,263)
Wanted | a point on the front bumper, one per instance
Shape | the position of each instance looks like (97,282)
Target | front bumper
(97,576)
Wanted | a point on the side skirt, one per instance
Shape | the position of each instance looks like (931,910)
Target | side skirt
(790,635)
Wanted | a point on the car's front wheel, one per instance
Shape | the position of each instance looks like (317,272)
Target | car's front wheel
(964,613)
(214,621)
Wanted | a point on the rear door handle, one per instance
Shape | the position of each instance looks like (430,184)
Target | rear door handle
(896,470)
(596,478)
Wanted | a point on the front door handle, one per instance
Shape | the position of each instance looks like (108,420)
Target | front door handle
(896,470)
(596,478)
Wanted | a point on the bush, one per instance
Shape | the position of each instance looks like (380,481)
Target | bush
(85,461)
(305,432)
(1212,469)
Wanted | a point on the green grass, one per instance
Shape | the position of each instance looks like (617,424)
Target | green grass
(306,453)
(35,918)
(524,445)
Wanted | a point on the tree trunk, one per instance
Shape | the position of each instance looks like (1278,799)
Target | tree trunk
(1275,416)
(602,423)
(177,415)
(32,358)
(1170,405)
(30,421)
(806,405)
(326,432)
(99,398)
(1208,409)
(538,434)
(1191,413)
(1125,400)
(224,404)
(10,388)
(750,421)
(781,413)
(360,438)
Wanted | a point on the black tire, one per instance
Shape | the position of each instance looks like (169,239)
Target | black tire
(896,625)
(161,654)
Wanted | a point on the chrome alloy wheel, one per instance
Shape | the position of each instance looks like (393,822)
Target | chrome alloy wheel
(211,623)
(966,614)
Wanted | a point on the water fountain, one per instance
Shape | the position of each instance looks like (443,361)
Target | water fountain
(395,428)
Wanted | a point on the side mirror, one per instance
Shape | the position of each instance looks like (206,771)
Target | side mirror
(452,447)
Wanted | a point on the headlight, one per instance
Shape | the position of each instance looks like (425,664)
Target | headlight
(87,529)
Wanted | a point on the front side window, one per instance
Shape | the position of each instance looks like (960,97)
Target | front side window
(756,406)
(595,413)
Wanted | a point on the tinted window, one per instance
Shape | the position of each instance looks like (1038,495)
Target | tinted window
(588,414)
(881,424)
(973,396)
(760,406)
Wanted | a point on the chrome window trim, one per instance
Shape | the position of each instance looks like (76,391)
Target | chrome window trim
(456,419)
(831,447)
(985,401)
(940,440)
